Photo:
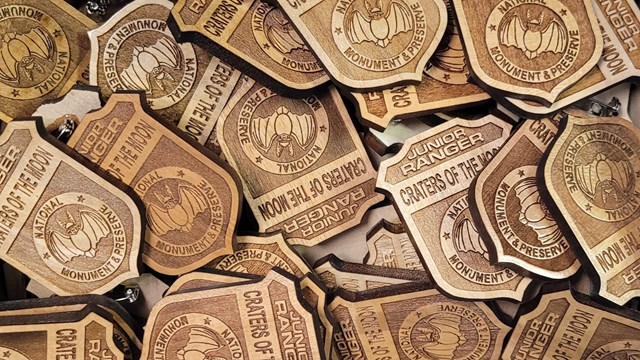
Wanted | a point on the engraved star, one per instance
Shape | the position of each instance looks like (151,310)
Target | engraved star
(57,33)
(180,173)
(6,354)
(15,92)
(81,199)
(492,27)
(150,102)
(588,207)
(207,321)
(259,159)
(627,345)
(266,46)
(447,77)
(46,256)
(323,128)
(447,236)
(563,12)
(521,173)
(338,31)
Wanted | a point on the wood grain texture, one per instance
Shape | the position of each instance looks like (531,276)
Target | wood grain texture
(302,164)
(529,50)
(192,199)
(370,46)
(591,178)
(389,246)
(64,225)
(255,37)
(45,51)
(428,181)
(206,279)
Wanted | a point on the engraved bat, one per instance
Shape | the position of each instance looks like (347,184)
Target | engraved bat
(442,335)
(22,51)
(176,213)
(201,345)
(151,64)
(284,37)
(282,128)
(78,239)
(531,37)
(534,213)
(613,178)
(379,27)
(466,238)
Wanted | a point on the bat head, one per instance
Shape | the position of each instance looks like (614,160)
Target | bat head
(375,9)
(71,227)
(534,23)
(167,199)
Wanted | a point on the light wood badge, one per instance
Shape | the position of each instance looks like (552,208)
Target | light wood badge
(192,200)
(337,274)
(257,255)
(511,217)
(199,280)
(261,320)
(428,181)
(255,37)
(389,246)
(529,50)
(91,337)
(75,104)
(592,175)
(134,50)
(620,60)
(444,86)
(370,44)
(302,164)
(416,325)
(62,224)
(560,327)
(44,51)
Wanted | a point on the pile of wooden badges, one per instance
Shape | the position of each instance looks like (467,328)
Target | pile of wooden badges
(315,180)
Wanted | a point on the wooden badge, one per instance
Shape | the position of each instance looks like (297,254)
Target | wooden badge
(428,181)
(620,60)
(337,274)
(44,51)
(91,337)
(201,280)
(562,328)
(62,224)
(370,45)
(75,104)
(254,36)
(192,200)
(529,50)
(314,292)
(302,164)
(389,246)
(444,86)
(257,255)
(134,50)
(509,213)
(261,320)
(416,325)
(592,175)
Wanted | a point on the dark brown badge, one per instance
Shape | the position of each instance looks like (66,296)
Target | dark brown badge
(592,175)
(416,325)
(367,44)
(134,50)
(261,320)
(192,200)
(62,224)
(303,166)
(256,37)
(428,180)
(512,217)
(44,51)
(562,328)
(389,246)
(529,50)
(257,255)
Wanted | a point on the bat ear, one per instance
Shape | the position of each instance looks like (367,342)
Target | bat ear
(71,219)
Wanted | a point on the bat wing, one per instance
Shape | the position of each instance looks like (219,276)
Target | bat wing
(167,52)
(466,238)
(511,33)
(134,76)
(284,40)
(554,38)
(358,28)
(94,225)
(36,43)
(159,220)
(263,131)
(587,178)
(621,174)
(62,247)
(8,64)
(399,19)
(191,200)
(303,129)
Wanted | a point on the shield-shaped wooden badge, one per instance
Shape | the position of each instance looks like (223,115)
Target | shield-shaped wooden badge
(61,223)
(192,200)
(592,180)
(529,50)
(370,44)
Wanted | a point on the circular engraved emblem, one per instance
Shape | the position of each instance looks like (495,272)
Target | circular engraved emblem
(281,135)
(448,64)
(531,231)
(143,55)
(533,42)
(464,249)
(617,350)
(445,331)
(601,179)
(197,336)
(34,53)
(379,35)
(11,354)
(278,39)
(184,211)
(79,237)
